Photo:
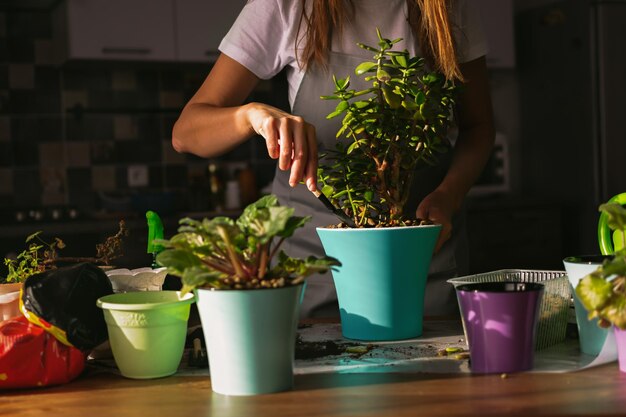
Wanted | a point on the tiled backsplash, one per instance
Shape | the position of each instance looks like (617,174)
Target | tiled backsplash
(70,132)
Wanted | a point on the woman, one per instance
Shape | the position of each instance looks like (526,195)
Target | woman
(312,40)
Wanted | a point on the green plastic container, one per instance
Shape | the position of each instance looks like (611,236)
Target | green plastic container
(250,337)
(610,240)
(147,331)
(381,283)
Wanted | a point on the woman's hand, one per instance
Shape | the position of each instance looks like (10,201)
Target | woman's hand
(438,207)
(214,121)
(289,139)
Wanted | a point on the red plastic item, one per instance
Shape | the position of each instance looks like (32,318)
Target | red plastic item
(32,357)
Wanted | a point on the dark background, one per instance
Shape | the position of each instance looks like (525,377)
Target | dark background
(75,131)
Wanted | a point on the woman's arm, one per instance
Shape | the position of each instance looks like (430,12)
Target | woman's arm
(214,121)
(471,152)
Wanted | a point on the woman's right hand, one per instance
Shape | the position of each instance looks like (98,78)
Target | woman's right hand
(288,138)
(214,121)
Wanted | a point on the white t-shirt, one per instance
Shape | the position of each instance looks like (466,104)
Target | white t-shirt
(263,38)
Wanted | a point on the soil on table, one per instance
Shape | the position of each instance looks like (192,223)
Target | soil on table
(314,350)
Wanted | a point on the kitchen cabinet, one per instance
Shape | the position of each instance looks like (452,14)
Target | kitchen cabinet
(201,25)
(143,30)
(117,29)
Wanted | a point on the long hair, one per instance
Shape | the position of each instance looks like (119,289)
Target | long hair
(429,21)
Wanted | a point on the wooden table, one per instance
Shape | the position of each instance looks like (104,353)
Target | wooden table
(597,391)
(592,392)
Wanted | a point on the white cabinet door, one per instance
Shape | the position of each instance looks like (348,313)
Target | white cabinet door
(201,25)
(120,29)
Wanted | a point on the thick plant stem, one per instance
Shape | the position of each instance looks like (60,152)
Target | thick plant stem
(263,262)
(218,267)
(232,256)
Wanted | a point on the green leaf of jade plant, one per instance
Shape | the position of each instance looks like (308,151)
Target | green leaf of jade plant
(223,253)
(603,292)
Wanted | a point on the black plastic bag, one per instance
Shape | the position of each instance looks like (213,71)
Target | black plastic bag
(63,301)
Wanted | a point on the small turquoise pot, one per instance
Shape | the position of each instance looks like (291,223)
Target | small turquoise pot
(380,285)
(147,331)
(250,337)
(591,337)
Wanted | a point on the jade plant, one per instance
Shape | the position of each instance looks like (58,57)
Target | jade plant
(388,130)
(603,292)
(224,253)
(41,255)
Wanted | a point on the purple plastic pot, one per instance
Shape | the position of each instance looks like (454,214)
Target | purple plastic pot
(501,323)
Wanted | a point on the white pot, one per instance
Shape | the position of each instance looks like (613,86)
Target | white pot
(10,300)
(140,279)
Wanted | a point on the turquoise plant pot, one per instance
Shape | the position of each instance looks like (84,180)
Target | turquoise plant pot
(380,285)
(591,337)
(147,331)
(250,337)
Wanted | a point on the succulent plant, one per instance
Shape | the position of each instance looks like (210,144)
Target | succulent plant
(387,131)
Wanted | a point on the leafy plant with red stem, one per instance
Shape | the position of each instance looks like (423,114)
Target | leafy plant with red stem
(238,254)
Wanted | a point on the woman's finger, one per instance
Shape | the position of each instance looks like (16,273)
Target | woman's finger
(270,132)
(444,235)
(300,152)
(286,144)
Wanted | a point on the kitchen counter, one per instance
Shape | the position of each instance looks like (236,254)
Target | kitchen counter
(98,223)
(82,234)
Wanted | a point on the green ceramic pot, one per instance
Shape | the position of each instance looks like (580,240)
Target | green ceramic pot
(250,337)
(147,331)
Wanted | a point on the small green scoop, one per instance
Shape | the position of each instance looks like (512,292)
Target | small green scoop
(610,241)
(155,231)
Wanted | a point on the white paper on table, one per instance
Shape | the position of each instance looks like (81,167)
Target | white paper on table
(566,357)
(413,355)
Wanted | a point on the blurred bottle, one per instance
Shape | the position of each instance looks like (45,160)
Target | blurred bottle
(233,196)
(216,184)
(247,186)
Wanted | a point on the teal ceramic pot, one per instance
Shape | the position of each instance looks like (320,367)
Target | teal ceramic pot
(250,337)
(380,285)
(591,337)
(147,331)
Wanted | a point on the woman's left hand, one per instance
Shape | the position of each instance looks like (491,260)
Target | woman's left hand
(438,207)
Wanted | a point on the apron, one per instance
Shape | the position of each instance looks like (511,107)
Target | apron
(320,298)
